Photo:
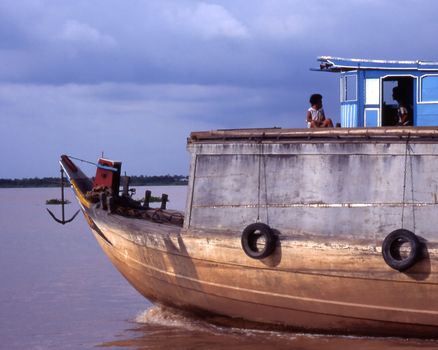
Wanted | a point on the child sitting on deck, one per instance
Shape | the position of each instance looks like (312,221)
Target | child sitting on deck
(315,114)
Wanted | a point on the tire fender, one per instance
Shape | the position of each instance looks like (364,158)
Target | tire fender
(391,249)
(251,237)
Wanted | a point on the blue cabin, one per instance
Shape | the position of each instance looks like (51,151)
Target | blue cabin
(366,90)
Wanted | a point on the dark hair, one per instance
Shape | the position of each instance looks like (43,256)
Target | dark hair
(398,94)
(315,98)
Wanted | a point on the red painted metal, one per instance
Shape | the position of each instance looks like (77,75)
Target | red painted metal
(108,177)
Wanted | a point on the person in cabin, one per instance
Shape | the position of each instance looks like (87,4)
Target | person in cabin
(315,114)
(403,111)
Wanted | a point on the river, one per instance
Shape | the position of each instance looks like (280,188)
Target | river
(59,291)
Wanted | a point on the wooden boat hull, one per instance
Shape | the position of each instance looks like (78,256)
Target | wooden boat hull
(304,285)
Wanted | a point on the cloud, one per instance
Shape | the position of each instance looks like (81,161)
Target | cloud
(126,121)
(197,42)
(283,28)
(207,21)
(75,31)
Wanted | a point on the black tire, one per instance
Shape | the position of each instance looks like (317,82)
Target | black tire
(251,236)
(391,249)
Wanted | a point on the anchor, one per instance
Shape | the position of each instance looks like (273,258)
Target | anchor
(63,221)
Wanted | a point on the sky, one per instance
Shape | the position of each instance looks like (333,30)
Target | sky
(132,79)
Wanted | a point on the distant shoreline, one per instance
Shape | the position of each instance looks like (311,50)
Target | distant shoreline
(142,180)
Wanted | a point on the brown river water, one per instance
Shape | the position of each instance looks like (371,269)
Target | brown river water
(59,291)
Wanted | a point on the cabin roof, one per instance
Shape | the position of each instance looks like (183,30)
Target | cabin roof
(339,64)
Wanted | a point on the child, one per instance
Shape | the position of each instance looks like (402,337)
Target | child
(315,114)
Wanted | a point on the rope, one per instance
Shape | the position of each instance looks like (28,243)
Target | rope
(82,160)
(266,189)
(259,181)
(404,183)
(412,187)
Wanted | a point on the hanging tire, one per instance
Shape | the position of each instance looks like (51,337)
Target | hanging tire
(395,256)
(258,240)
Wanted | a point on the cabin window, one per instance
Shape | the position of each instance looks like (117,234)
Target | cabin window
(348,88)
(388,86)
(372,91)
(429,88)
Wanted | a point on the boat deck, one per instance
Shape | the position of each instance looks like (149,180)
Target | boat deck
(326,134)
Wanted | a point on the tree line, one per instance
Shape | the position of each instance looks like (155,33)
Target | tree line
(142,180)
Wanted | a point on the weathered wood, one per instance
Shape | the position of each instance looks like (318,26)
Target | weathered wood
(147,199)
(311,285)
(125,185)
(164,198)
(103,200)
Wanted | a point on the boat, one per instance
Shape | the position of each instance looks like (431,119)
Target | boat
(328,230)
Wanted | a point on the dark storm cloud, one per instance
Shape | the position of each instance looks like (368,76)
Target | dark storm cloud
(150,42)
(201,42)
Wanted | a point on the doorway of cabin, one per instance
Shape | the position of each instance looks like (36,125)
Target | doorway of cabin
(389,105)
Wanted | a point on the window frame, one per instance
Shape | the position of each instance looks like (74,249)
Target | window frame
(344,88)
(420,92)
